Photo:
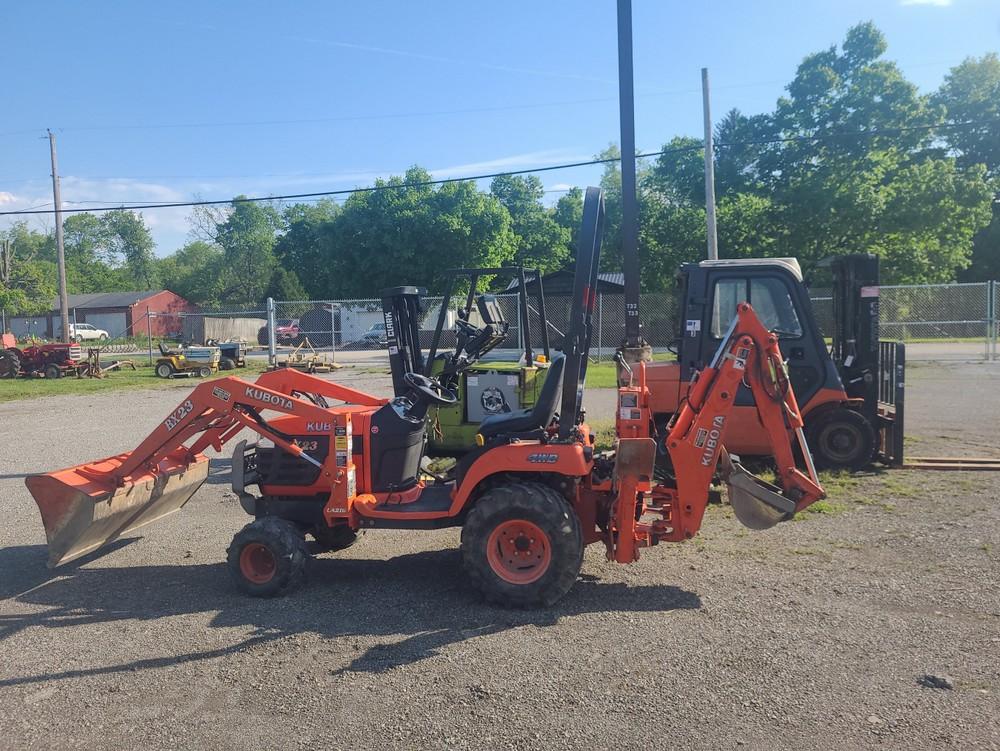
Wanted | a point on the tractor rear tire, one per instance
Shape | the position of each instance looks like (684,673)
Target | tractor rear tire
(204,371)
(522,545)
(53,372)
(336,538)
(267,557)
(163,370)
(841,439)
(227,363)
(10,364)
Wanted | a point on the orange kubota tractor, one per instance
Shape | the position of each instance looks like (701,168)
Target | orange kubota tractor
(528,499)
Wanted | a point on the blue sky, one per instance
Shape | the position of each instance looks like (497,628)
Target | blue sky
(166,101)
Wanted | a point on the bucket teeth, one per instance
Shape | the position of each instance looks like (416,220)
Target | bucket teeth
(82,513)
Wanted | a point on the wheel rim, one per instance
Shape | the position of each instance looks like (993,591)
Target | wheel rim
(519,551)
(840,442)
(257,563)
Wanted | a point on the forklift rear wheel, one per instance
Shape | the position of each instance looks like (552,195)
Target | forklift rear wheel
(163,370)
(53,371)
(522,545)
(204,371)
(842,439)
(227,363)
(336,538)
(267,557)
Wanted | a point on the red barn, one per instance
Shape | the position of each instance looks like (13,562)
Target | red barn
(119,313)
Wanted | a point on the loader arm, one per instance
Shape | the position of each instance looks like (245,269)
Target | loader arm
(748,355)
(89,505)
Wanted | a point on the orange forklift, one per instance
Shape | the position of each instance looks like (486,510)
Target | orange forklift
(528,498)
(851,392)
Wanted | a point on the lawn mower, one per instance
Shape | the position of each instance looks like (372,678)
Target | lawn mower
(528,499)
(187,361)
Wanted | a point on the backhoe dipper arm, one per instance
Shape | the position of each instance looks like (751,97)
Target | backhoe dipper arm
(749,354)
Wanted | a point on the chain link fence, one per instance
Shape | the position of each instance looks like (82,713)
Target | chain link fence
(938,322)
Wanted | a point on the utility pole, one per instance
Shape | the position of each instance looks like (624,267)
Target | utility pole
(630,203)
(60,252)
(634,348)
(713,235)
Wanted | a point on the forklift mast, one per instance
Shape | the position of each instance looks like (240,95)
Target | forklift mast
(855,333)
(402,310)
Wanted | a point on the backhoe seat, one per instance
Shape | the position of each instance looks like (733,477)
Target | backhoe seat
(536,418)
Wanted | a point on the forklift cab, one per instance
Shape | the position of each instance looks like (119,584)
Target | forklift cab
(709,294)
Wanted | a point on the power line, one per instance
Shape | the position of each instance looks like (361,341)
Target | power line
(549,168)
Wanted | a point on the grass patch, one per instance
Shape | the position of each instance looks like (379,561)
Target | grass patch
(142,378)
(604,434)
(604,375)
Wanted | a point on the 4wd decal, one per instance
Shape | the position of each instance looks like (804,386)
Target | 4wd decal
(539,458)
(710,441)
(268,398)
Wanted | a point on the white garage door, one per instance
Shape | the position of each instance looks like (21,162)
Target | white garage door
(113,323)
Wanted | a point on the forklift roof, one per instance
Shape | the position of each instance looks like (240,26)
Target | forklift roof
(791,264)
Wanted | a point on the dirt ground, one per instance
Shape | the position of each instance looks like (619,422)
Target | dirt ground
(812,635)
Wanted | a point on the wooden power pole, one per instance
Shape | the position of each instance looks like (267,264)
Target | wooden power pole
(60,252)
(713,235)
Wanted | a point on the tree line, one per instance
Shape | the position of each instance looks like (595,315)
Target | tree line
(852,159)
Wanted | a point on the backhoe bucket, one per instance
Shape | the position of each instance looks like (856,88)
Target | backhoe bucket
(83,508)
(756,503)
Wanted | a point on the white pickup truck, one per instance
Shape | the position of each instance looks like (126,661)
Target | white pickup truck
(80,332)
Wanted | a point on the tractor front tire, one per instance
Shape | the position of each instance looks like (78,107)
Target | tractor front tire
(53,372)
(522,545)
(336,538)
(204,371)
(841,439)
(163,370)
(267,558)
(227,363)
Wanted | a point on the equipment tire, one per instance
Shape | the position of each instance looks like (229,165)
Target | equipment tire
(53,371)
(204,371)
(522,545)
(267,558)
(227,363)
(164,370)
(841,439)
(10,364)
(336,538)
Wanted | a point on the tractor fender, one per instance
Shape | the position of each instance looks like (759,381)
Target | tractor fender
(522,459)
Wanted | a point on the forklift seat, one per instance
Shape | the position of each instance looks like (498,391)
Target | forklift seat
(534,419)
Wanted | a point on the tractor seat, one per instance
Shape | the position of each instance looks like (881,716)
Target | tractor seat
(534,419)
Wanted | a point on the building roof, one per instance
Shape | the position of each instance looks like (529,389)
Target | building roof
(616,278)
(106,299)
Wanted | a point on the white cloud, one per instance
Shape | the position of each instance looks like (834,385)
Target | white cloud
(516,161)
(935,3)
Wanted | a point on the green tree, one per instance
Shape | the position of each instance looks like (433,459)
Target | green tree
(413,233)
(542,243)
(195,272)
(27,282)
(247,237)
(303,247)
(130,245)
(971,94)
(285,285)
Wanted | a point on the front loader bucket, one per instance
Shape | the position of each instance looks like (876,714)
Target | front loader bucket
(756,503)
(83,508)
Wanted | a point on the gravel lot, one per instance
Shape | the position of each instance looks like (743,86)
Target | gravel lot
(812,635)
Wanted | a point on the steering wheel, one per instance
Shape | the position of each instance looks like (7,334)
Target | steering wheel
(431,388)
(464,327)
